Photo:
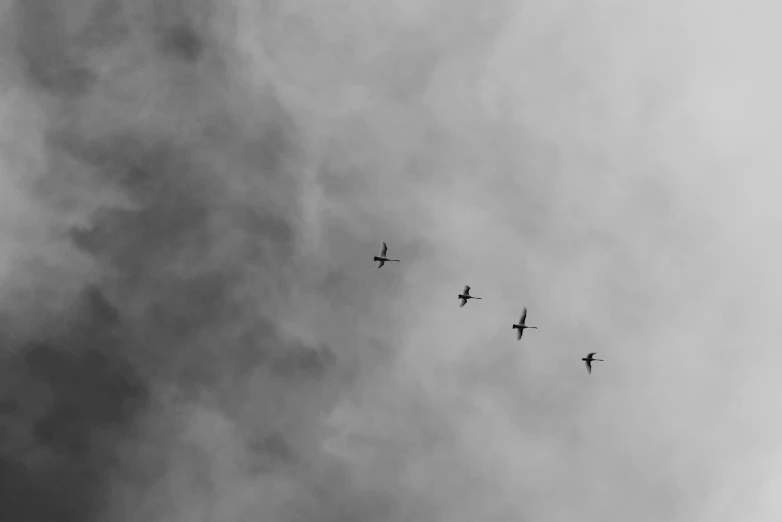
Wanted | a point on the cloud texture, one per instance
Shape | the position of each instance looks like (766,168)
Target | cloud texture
(191,326)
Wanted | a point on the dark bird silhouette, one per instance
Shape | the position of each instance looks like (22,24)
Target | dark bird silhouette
(381,259)
(588,360)
(521,326)
(465,295)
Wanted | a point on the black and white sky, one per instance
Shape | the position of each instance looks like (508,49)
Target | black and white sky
(192,327)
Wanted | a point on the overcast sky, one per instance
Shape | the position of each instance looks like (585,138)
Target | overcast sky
(191,325)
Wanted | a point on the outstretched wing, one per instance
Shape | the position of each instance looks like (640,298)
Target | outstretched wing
(589,367)
(589,356)
(464,302)
(519,333)
(523,316)
(466,290)
(383,249)
(380,263)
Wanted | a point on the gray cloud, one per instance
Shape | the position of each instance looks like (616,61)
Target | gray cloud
(192,327)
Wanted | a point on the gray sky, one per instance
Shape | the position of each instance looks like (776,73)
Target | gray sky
(192,328)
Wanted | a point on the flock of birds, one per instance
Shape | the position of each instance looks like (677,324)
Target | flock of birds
(465,296)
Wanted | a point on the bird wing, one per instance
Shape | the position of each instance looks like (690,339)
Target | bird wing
(523,316)
(466,290)
(464,302)
(589,367)
(383,249)
(380,263)
(519,333)
(590,355)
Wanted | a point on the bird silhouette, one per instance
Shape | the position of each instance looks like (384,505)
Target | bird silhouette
(588,360)
(381,259)
(465,295)
(521,326)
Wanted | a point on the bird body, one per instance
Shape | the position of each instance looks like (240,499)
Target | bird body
(465,296)
(588,360)
(382,259)
(521,325)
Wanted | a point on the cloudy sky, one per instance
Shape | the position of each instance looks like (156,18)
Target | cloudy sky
(191,326)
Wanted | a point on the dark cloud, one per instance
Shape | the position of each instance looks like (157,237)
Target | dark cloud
(46,49)
(181,41)
(165,305)
(175,28)
(92,395)
(98,363)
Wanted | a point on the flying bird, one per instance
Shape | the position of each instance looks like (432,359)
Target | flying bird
(521,326)
(381,259)
(588,360)
(465,295)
